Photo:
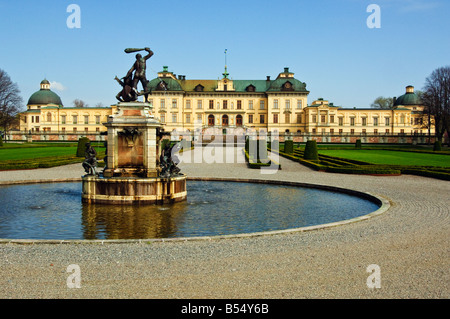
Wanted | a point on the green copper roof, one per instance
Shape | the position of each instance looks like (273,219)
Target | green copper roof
(43,97)
(409,98)
(261,86)
(170,84)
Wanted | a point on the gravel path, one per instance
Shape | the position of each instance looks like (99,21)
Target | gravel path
(409,243)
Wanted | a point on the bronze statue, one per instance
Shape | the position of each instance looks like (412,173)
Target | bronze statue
(90,162)
(139,68)
(127,94)
(168,161)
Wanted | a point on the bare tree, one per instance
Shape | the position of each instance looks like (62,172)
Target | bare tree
(10,101)
(79,103)
(436,97)
(381,102)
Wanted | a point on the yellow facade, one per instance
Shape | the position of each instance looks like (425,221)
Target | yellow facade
(277,106)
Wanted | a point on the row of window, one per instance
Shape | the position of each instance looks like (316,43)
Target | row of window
(364,122)
(63,129)
(226,104)
(35,119)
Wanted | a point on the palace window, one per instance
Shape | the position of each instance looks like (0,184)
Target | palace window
(275,118)
(163,118)
(199,104)
(375,121)
(188,118)
(162,103)
(188,104)
(287,118)
(275,104)
(323,118)
(387,121)
(299,104)
(174,103)
(97,119)
(261,105)
(225,104)
(37,119)
(261,118)
(75,119)
(174,118)
(239,105)
(287,86)
(250,118)
(63,119)
(364,121)
(250,88)
(211,104)
(341,121)
(314,118)
(352,121)
(288,104)
(299,118)
(199,88)
(86,119)
(250,105)
(331,118)
(239,120)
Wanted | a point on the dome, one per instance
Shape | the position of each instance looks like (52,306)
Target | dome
(409,98)
(44,96)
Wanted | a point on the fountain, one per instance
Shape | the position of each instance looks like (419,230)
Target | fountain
(137,171)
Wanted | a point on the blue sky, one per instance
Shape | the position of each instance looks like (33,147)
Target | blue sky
(326,43)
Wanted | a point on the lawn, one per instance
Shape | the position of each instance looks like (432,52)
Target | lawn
(391,157)
(31,155)
(9,154)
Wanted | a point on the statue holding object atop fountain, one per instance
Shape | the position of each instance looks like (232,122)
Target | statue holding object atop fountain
(129,92)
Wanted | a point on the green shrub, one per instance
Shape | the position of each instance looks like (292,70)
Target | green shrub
(311,151)
(358,144)
(81,149)
(437,146)
(289,147)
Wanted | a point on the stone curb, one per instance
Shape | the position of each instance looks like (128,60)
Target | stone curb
(383,202)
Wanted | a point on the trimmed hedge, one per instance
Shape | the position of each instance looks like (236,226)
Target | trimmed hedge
(311,151)
(289,147)
(437,147)
(358,144)
(337,165)
(1,140)
(258,164)
(81,148)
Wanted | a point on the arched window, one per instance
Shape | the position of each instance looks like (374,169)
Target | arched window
(211,120)
(225,120)
(238,120)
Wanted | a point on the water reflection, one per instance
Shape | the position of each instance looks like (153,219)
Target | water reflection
(130,222)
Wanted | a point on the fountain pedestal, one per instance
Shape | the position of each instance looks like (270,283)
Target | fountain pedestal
(132,162)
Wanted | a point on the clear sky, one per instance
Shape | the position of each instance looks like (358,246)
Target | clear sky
(326,43)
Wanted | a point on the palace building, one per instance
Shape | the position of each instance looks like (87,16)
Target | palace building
(278,105)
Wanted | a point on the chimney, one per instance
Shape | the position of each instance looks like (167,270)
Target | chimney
(268,78)
(286,70)
(180,77)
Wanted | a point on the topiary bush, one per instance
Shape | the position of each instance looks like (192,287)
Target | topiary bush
(311,151)
(437,146)
(289,147)
(358,144)
(81,149)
